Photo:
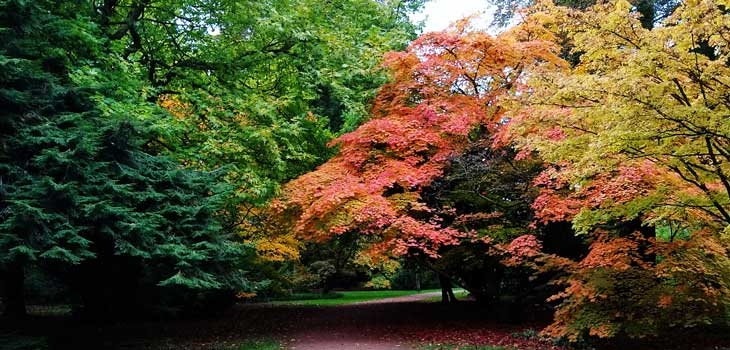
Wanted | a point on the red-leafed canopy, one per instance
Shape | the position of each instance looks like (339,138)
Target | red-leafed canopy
(445,86)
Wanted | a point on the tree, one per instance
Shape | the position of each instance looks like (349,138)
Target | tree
(445,89)
(257,88)
(651,11)
(262,85)
(637,139)
(251,93)
(628,72)
(80,191)
(485,190)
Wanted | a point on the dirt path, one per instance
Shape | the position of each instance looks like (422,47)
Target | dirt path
(352,335)
(404,299)
(339,341)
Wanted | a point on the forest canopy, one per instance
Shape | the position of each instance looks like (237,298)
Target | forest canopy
(138,136)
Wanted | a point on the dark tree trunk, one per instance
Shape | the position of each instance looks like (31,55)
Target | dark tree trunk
(13,290)
(447,293)
(450,291)
(109,287)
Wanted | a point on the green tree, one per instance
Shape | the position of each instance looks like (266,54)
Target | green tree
(80,191)
(262,85)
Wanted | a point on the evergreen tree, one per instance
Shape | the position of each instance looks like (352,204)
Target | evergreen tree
(79,190)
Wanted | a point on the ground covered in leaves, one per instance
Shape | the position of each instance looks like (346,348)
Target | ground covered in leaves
(375,326)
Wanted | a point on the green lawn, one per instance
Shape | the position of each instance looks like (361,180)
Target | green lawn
(343,298)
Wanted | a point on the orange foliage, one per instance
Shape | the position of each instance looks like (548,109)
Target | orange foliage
(445,86)
(561,201)
(618,288)
(522,248)
(620,253)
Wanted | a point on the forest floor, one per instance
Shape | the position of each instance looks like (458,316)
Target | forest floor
(403,323)
(350,333)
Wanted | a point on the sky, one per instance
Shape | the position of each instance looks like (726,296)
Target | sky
(440,13)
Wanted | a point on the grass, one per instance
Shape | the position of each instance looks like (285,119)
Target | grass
(11,341)
(344,298)
(463,347)
(458,293)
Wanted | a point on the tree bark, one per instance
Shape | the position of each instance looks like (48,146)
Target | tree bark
(447,293)
(13,290)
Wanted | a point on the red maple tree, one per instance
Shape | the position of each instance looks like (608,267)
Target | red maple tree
(446,87)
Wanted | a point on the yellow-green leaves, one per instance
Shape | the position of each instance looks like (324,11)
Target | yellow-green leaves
(638,139)
(638,94)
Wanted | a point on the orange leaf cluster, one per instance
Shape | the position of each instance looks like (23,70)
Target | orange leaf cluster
(561,201)
(522,248)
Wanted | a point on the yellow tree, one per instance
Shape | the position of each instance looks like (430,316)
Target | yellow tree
(639,95)
(637,131)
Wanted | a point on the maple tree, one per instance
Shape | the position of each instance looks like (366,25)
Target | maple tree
(445,92)
(258,90)
(638,142)
(625,72)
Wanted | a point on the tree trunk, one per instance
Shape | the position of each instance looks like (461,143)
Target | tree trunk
(13,290)
(450,291)
(447,293)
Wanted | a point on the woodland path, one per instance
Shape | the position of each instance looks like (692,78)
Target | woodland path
(401,323)
(356,333)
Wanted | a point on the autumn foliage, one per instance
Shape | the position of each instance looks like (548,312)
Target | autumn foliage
(629,127)
(445,88)
(638,144)
(638,98)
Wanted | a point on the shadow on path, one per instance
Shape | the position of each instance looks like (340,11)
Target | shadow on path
(398,323)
